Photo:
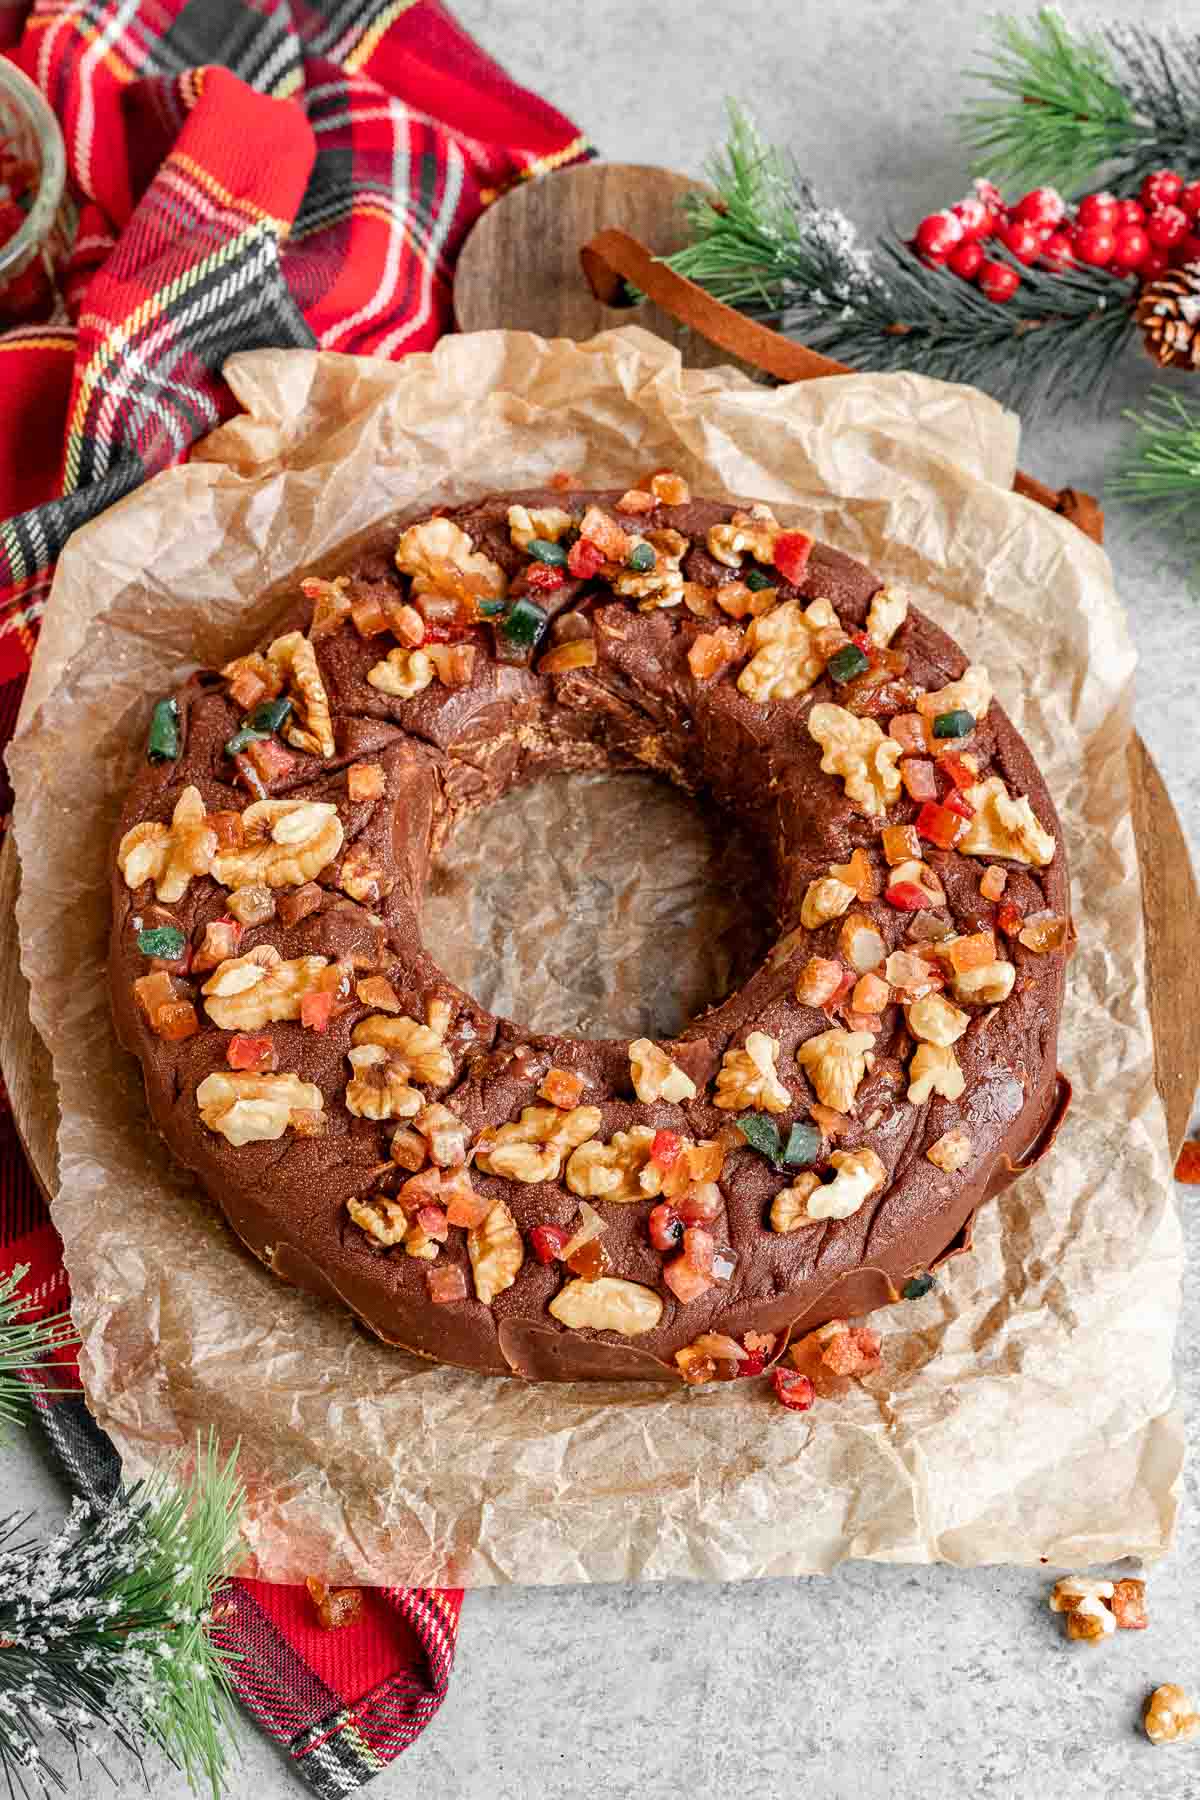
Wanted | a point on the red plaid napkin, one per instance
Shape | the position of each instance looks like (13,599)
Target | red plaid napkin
(243,173)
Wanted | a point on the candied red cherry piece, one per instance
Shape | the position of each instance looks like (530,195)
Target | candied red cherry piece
(543,578)
(997,282)
(938,234)
(954,802)
(700,1204)
(792,1389)
(256,1054)
(687,1284)
(584,559)
(546,1241)
(753,1363)
(316,1011)
(665,1227)
(1162,188)
(1009,918)
(790,555)
(665,1149)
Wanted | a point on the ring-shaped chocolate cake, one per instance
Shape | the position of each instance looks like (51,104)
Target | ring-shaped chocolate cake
(548,1206)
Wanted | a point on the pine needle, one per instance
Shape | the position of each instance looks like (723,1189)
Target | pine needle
(1161,467)
(1071,103)
(23,1344)
(105,1631)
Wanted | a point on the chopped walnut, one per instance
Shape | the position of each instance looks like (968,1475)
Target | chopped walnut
(1171,1716)
(972,693)
(1129,1605)
(1003,826)
(951,1152)
(295,662)
(785,657)
(363,877)
(379,1088)
(252,1109)
(608,1304)
(934,1069)
(169,855)
(287,842)
(441,559)
(380,1217)
(336,1607)
(655,1076)
(496,1251)
(445,1134)
(403,1052)
(748,1077)
(532,1147)
(789,1209)
(612,1171)
(546,522)
(1083,1600)
(663,584)
(754,531)
(402,673)
(889,609)
(247,992)
(857,750)
(859,1174)
(825,899)
(836,1062)
(990,984)
(935,1020)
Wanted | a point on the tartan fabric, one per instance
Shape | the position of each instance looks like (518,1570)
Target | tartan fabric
(242,174)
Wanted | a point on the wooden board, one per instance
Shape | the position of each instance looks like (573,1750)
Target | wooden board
(520,268)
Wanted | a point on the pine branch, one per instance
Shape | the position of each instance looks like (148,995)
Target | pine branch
(766,246)
(104,1631)
(1161,466)
(24,1344)
(1070,103)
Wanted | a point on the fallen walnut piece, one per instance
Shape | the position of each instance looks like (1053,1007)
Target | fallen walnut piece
(336,1607)
(1171,1716)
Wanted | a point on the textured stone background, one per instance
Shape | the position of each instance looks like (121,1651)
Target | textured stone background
(879,1681)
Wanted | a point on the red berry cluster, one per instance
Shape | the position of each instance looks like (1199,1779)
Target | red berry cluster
(1140,238)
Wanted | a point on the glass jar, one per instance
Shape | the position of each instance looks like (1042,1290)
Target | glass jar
(28,127)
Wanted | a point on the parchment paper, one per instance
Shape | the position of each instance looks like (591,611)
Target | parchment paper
(1023,1407)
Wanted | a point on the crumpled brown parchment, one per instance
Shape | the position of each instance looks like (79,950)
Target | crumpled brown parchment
(1023,1409)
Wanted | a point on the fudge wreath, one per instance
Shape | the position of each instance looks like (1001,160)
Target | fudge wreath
(556,1207)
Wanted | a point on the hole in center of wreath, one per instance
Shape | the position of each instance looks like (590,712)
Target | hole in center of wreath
(598,905)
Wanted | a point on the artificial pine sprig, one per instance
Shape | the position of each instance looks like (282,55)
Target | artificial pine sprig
(1069,103)
(764,244)
(23,1344)
(1161,466)
(105,1631)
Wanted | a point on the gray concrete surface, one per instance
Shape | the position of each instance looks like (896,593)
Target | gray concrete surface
(879,1681)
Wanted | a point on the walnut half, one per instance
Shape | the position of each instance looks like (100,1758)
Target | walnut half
(169,855)
(252,1109)
(294,661)
(287,842)
(532,1147)
(1003,826)
(836,1061)
(246,992)
(387,1056)
(496,1253)
(748,1077)
(857,750)
(612,1171)
(655,1076)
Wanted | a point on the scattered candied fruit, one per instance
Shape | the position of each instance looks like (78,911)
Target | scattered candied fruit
(176,1020)
(712,651)
(858,874)
(908,730)
(920,780)
(369,618)
(256,1054)
(562,1087)
(665,1227)
(993,881)
(153,992)
(793,1390)
(670,489)
(590,1261)
(1043,934)
(547,1241)
(336,1607)
(364,781)
(377,991)
(819,980)
(900,844)
(687,1284)
(446,1283)
(585,559)
(229,829)
(971,952)
(579,653)
(1129,1605)
(219,943)
(665,1148)
(790,555)
(316,1009)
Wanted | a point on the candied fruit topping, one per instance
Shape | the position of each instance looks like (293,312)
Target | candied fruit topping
(793,1390)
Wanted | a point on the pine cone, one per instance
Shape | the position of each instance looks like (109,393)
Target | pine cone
(1168,311)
